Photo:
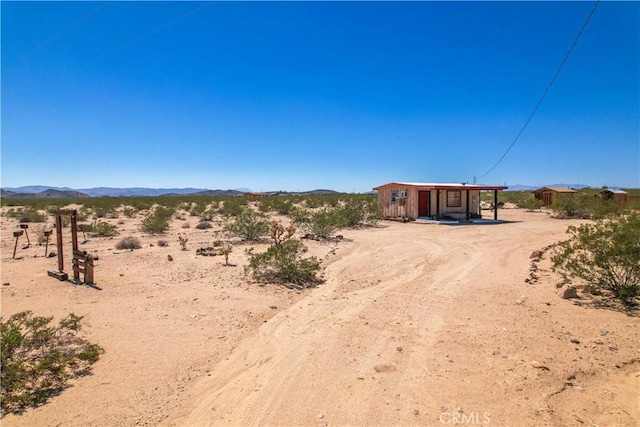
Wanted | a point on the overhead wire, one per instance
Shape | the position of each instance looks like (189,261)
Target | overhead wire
(546,91)
(147,34)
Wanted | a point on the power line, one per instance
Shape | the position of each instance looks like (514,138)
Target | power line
(147,34)
(64,30)
(544,94)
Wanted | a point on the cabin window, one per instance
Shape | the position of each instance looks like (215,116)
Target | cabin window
(394,196)
(454,198)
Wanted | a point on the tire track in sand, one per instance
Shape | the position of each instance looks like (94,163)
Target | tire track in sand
(327,343)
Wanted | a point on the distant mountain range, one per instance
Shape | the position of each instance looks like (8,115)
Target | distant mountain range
(43,191)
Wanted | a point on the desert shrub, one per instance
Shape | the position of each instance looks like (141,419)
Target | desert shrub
(529,203)
(232,206)
(129,242)
(322,223)
(606,208)
(186,224)
(100,229)
(30,215)
(605,254)
(203,225)
(226,251)
(183,242)
(153,225)
(283,263)
(207,215)
(278,233)
(372,212)
(574,206)
(38,359)
(157,222)
(248,225)
(129,211)
(281,205)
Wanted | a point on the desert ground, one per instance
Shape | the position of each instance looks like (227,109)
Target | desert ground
(416,324)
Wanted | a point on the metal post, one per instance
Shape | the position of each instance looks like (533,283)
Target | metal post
(495,205)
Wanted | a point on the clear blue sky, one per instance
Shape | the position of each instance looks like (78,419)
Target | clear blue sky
(297,96)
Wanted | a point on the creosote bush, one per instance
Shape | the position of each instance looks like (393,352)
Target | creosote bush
(38,358)
(283,263)
(605,254)
(322,223)
(100,229)
(203,225)
(129,242)
(248,225)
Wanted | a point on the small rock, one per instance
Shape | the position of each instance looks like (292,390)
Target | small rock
(273,307)
(321,416)
(598,341)
(568,291)
(519,301)
(169,258)
(399,349)
(575,341)
(613,348)
(536,254)
(559,285)
(384,368)
(5,284)
(539,365)
(51,254)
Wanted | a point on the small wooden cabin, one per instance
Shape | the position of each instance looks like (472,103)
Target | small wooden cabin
(549,195)
(414,200)
(619,196)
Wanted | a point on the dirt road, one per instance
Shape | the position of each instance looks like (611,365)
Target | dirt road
(428,325)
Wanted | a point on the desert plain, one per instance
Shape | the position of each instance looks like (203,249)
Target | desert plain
(415,324)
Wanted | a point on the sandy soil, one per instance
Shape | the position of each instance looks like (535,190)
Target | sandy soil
(416,324)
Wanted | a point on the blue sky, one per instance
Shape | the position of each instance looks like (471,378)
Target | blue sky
(297,96)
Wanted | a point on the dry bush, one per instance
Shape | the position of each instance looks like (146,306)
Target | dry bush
(129,242)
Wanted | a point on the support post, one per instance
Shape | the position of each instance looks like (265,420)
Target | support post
(437,204)
(47,233)
(495,205)
(59,241)
(467,208)
(26,233)
(16,234)
(74,243)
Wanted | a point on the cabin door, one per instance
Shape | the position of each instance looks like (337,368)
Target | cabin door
(423,203)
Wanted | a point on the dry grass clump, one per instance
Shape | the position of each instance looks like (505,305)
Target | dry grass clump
(129,242)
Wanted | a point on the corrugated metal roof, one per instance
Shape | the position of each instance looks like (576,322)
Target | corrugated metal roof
(444,185)
(614,191)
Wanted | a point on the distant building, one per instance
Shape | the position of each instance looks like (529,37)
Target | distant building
(414,200)
(255,196)
(549,195)
(619,196)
